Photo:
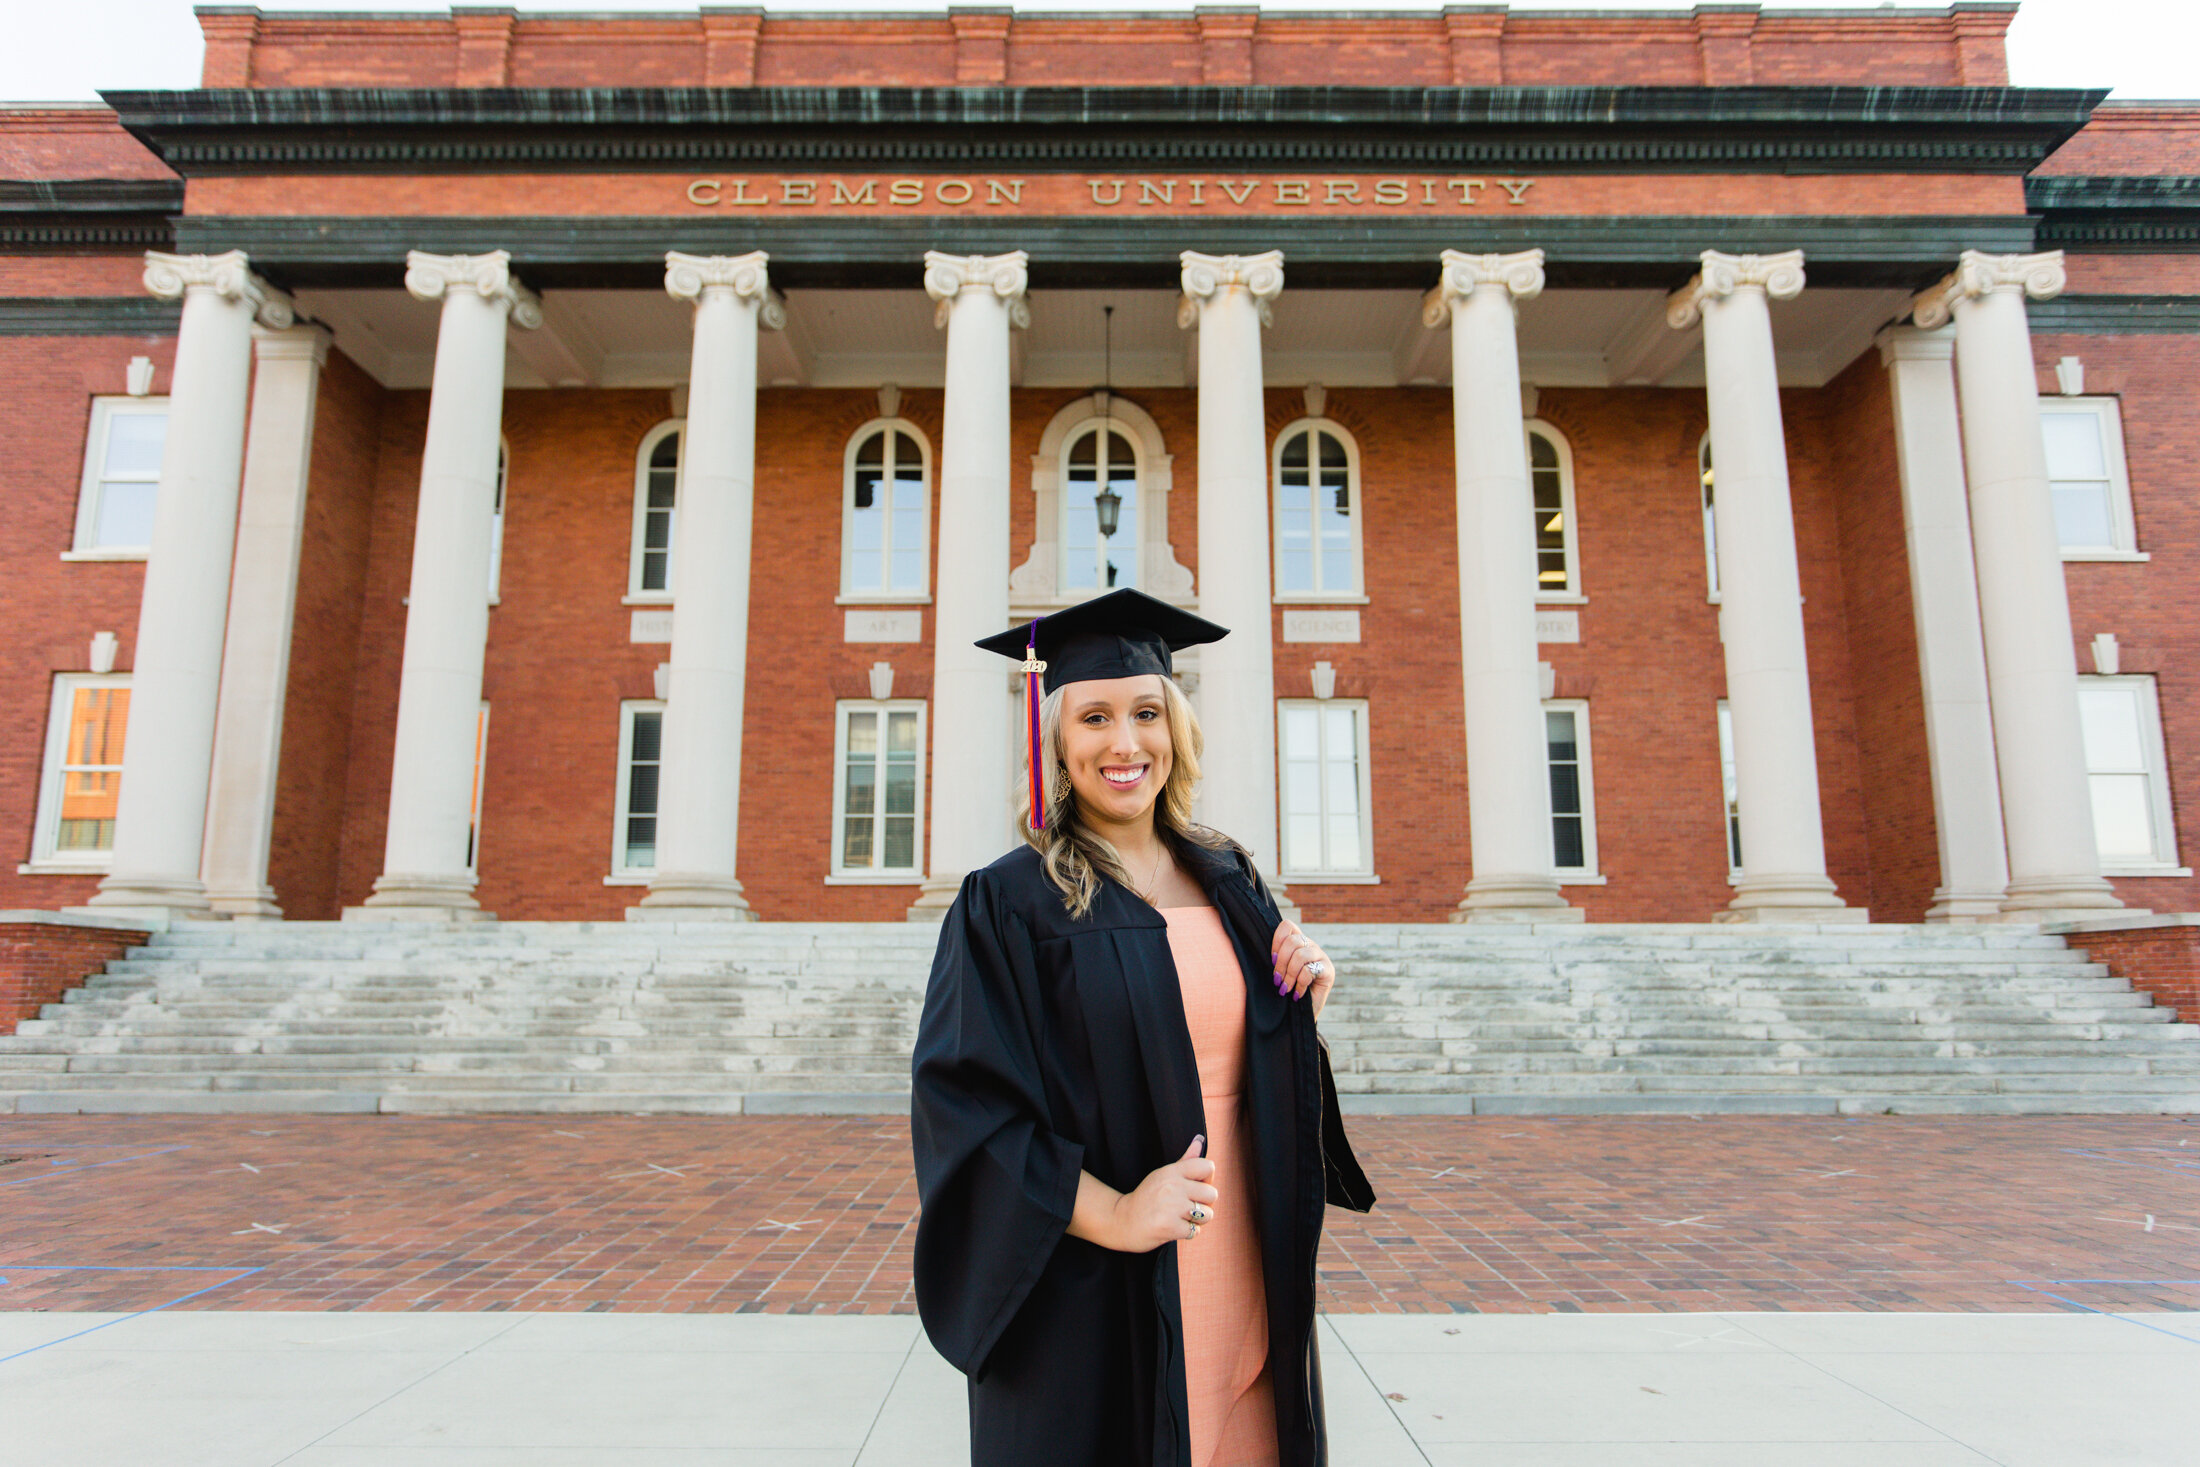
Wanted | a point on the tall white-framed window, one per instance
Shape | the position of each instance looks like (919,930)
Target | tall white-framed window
(1328,829)
(1551,483)
(81,781)
(641,757)
(496,522)
(2127,769)
(481,769)
(878,789)
(1318,512)
(2088,478)
(886,513)
(1573,792)
(1099,456)
(1729,789)
(656,500)
(1710,521)
(114,507)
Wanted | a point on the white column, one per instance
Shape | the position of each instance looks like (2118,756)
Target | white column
(248,734)
(1508,758)
(1228,298)
(160,825)
(1760,591)
(981,297)
(424,869)
(1959,729)
(2032,670)
(699,810)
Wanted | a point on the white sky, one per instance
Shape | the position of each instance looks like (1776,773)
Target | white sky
(68,49)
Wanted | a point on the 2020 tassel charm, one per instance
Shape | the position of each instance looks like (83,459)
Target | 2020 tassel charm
(1032,668)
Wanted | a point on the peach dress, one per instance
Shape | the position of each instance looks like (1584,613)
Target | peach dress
(1225,1306)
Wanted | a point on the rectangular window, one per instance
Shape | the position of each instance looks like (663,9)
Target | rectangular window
(878,789)
(83,771)
(114,514)
(2128,773)
(1326,818)
(2087,478)
(1573,801)
(641,752)
(1728,785)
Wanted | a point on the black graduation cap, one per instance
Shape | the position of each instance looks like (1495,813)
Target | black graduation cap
(1122,634)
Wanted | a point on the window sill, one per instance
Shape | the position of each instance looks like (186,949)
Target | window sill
(1580,878)
(2146,870)
(93,556)
(1302,599)
(646,598)
(1328,878)
(1561,598)
(636,879)
(62,868)
(875,878)
(905,599)
(2109,556)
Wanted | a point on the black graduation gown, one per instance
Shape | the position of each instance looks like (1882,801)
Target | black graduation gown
(1051,1045)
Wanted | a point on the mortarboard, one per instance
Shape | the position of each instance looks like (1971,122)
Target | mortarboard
(1125,633)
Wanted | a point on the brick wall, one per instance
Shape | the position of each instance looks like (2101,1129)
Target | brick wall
(2163,961)
(41,960)
(1708,48)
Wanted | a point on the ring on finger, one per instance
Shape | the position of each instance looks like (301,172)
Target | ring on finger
(1197,1215)
(1316,968)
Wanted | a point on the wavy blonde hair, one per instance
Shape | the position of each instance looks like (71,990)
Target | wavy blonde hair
(1076,857)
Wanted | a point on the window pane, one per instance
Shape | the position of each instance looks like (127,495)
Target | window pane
(133,444)
(99,718)
(901,843)
(125,514)
(2123,817)
(1542,454)
(2113,741)
(657,532)
(1299,732)
(1302,836)
(862,734)
(641,843)
(641,789)
(655,565)
(1294,454)
(861,789)
(1565,789)
(2083,517)
(648,739)
(855,843)
(1569,853)
(1086,450)
(1558,731)
(663,485)
(2073,445)
(1344,844)
(666,455)
(901,787)
(1302,789)
(873,449)
(866,488)
(908,458)
(901,733)
(1333,456)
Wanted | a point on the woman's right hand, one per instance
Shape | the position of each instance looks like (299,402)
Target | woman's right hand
(1157,1212)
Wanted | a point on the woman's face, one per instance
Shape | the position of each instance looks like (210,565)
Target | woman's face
(1115,739)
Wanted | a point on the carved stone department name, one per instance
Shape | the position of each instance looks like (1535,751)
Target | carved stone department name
(1109,193)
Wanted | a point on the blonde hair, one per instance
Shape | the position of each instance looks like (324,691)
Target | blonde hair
(1075,856)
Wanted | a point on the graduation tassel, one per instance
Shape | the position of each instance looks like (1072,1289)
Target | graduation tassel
(1032,667)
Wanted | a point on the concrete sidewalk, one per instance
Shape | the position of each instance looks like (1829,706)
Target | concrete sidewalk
(494,1389)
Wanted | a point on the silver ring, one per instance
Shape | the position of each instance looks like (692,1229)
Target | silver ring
(1197,1216)
(1316,968)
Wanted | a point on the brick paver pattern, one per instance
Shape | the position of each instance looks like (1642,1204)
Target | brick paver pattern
(803,1214)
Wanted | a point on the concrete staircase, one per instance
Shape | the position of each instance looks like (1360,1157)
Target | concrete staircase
(809,1018)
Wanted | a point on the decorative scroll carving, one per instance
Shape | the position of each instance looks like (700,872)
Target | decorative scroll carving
(948,276)
(431,277)
(227,275)
(687,277)
(1206,275)
(1779,276)
(1978,275)
(1521,274)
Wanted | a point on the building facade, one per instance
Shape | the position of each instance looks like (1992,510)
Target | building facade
(1721,463)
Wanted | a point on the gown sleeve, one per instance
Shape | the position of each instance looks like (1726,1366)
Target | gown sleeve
(997,1185)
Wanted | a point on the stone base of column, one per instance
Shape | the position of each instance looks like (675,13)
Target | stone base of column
(936,896)
(420,899)
(1964,906)
(1790,899)
(246,906)
(2057,899)
(678,897)
(149,898)
(1515,899)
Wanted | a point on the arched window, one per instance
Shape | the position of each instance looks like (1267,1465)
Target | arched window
(1317,512)
(656,497)
(886,521)
(1100,457)
(1551,483)
(1710,521)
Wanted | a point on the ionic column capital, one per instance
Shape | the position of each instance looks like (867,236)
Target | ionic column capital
(1778,276)
(1912,344)
(690,277)
(1007,276)
(1521,276)
(226,275)
(1978,275)
(1206,277)
(432,277)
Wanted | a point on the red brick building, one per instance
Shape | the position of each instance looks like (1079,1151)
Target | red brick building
(309,609)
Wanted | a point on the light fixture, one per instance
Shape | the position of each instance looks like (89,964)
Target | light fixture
(1107,504)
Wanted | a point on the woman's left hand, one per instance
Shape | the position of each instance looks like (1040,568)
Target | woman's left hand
(1303,970)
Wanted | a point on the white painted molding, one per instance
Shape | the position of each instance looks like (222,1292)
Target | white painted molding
(1037,581)
(688,277)
(227,275)
(1204,276)
(1778,276)
(1007,276)
(1521,275)
(138,377)
(1978,274)
(432,277)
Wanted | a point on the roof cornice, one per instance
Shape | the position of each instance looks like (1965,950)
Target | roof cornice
(2117,214)
(933,129)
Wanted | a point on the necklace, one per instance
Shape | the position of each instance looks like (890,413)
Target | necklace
(1153,882)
